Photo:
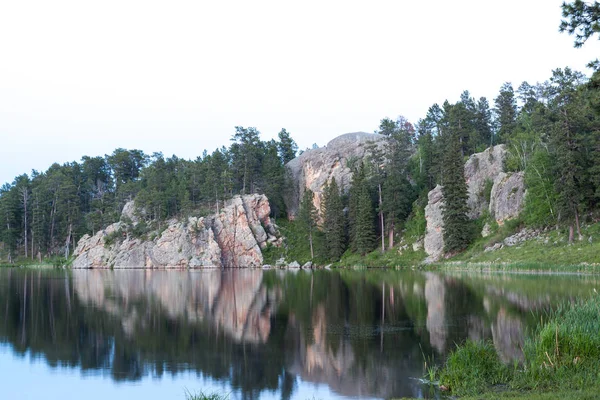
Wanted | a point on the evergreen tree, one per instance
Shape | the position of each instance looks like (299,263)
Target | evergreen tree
(483,124)
(506,112)
(567,111)
(398,193)
(272,178)
(333,221)
(246,153)
(364,231)
(308,217)
(287,146)
(457,228)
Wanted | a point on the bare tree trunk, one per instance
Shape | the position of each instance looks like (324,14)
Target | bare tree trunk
(381,220)
(310,240)
(571,233)
(53,219)
(391,235)
(578,225)
(217,199)
(24,201)
(68,241)
(245,172)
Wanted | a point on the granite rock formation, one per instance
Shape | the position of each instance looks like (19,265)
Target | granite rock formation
(315,167)
(232,238)
(482,171)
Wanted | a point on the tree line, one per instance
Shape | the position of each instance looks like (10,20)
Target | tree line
(550,129)
(45,213)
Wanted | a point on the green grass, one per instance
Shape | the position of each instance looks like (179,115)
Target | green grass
(377,259)
(51,262)
(472,368)
(555,251)
(561,356)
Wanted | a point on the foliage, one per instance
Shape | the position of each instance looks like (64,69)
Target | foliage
(581,19)
(333,221)
(457,228)
(416,224)
(540,199)
(308,218)
(506,111)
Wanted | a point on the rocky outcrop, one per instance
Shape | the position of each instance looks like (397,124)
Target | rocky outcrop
(232,238)
(483,173)
(481,169)
(507,196)
(434,234)
(315,167)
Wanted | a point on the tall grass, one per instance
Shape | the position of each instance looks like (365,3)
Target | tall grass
(562,354)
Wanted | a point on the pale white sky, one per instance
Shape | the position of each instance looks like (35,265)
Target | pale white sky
(83,78)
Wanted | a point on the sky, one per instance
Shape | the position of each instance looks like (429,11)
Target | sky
(83,78)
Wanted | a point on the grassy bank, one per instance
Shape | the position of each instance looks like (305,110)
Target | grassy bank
(550,248)
(549,251)
(562,356)
(52,262)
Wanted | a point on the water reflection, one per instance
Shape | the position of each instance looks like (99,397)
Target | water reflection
(362,334)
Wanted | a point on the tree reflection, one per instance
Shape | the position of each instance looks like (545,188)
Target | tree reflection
(359,333)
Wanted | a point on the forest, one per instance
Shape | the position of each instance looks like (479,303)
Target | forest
(551,130)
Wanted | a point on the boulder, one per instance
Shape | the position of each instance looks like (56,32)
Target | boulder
(232,238)
(315,167)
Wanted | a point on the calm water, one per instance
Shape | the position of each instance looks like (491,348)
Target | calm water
(253,333)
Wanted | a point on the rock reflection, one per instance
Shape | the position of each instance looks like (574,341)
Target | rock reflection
(362,334)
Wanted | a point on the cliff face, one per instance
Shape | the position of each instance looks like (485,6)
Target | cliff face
(232,238)
(314,168)
(482,169)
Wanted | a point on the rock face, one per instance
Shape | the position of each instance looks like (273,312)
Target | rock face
(506,199)
(479,169)
(314,168)
(434,234)
(482,170)
(232,238)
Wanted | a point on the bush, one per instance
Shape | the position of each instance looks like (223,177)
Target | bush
(113,237)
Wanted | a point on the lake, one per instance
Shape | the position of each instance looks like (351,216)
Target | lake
(249,333)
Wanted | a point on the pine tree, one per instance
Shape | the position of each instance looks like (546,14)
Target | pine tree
(333,221)
(506,112)
(308,217)
(569,119)
(457,228)
(287,146)
(483,123)
(364,231)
